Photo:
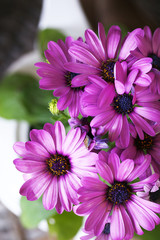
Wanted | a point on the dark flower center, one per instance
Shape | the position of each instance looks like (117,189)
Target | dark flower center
(108,70)
(69,76)
(144,144)
(106,229)
(156,61)
(123,103)
(155,196)
(58,164)
(119,193)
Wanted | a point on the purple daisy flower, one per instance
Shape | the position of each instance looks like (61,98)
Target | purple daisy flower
(116,198)
(137,148)
(93,140)
(112,110)
(54,76)
(97,56)
(53,163)
(148,46)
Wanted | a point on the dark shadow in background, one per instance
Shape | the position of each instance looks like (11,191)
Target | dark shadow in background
(18,29)
(130,13)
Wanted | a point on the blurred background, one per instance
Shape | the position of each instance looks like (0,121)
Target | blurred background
(25,28)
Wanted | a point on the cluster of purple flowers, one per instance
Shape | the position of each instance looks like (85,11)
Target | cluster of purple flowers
(111,87)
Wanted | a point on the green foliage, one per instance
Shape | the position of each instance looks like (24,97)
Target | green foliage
(150,235)
(47,35)
(33,212)
(22,99)
(65,225)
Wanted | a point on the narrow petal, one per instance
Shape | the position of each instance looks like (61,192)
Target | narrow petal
(117,227)
(149,113)
(83,55)
(95,44)
(63,195)
(50,195)
(125,169)
(140,122)
(113,41)
(125,133)
(114,163)
(104,171)
(155,40)
(129,230)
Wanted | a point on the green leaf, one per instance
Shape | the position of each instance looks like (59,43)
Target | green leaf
(22,99)
(148,235)
(47,35)
(65,226)
(33,212)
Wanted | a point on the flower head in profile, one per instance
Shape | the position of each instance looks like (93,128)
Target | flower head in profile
(116,198)
(148,46)
(55,76)
(53,163)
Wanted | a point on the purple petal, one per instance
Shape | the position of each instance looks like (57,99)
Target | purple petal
(114,163)
(140,122)
(65,101)
(117,227)
(151,205)
(84,56)
(28,166)
(125,168)
(155,40)
(102,34)
(63,195)
(143,64)
(149,113)
(95,44)
(104,171)
(80,68)
(37,149)
(106,96)
(58,53)
(140,185)
(115,128)
(129,230)
(125,133)
(44,138)
(93,184)
(144,219)
(95,217)
(139,170)
(119,87)
(129,44)
(147,209)
(102,118)
(113,41)
(50,195)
